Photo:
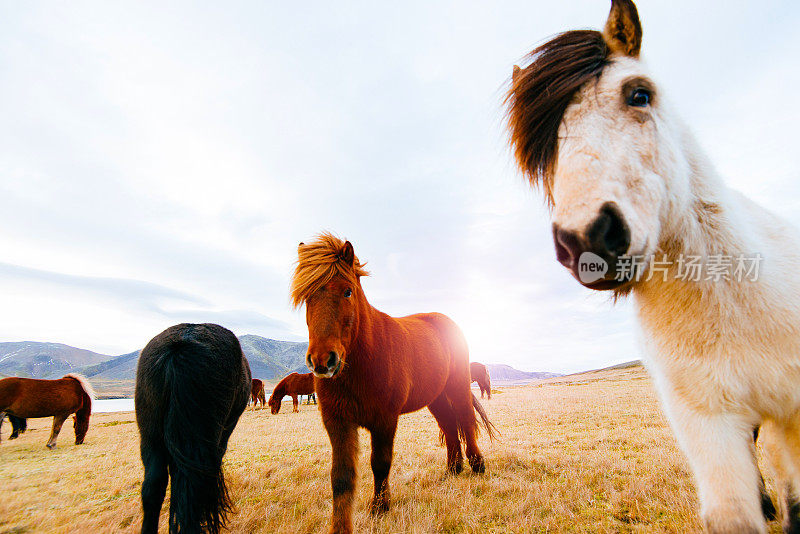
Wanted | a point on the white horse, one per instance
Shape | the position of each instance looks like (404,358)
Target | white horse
(635,203)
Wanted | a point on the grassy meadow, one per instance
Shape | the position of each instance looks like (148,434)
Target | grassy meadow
(585,453)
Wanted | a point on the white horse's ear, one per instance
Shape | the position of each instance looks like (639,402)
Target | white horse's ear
(623,31)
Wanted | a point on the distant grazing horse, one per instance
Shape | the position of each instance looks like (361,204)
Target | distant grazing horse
(639,209)
(30,397)
(369,368)
(480,374)
(257,393)
(192,384)
(294,385)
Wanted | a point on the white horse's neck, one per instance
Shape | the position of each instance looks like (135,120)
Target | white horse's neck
(704,218)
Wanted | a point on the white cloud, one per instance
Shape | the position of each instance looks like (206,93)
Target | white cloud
(160,163)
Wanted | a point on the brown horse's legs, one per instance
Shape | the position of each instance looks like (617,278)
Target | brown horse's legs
(2,416)
(58,420)
(462,404)
(294,404)
(344,444)
(381,461)
(446,417)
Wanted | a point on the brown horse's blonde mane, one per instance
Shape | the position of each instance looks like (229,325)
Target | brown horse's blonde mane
(318,263)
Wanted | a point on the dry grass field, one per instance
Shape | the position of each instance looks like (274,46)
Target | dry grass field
(586,453)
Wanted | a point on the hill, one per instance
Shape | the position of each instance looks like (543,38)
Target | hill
(270,360)
(501,372)
(34,359)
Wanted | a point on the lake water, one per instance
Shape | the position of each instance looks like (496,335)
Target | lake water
(112,405)
(124,405)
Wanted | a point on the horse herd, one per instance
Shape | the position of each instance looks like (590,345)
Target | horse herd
(632,196)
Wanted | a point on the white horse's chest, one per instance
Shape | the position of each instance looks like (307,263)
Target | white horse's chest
(716,361)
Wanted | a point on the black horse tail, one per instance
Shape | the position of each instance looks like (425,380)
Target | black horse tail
(198,495)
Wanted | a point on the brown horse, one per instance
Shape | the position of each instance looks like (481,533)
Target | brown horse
(30,397)
(257,393)
(369,368)
(293,385)
(480,374)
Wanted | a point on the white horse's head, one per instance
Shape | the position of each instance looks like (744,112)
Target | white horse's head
(588,124)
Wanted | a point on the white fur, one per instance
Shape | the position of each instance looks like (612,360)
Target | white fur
(725,356)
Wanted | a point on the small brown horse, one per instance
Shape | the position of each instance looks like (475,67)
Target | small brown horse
(369,368)
(294,385)
(257,393)
(31,397)
(480,374)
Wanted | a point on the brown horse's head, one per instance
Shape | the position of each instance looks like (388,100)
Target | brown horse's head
(274,403)
(81,425)
(326,279)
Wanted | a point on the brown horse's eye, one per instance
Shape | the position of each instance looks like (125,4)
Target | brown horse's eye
(347,293)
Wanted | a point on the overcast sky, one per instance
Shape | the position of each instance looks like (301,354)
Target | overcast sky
(159,164)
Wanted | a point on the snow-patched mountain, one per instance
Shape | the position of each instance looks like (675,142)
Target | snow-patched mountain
(34,359)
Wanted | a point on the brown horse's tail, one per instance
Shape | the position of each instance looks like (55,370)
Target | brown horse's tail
(82,415)
(490,428)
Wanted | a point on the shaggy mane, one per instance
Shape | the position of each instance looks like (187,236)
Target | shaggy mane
(318,263)
(539,96)
(84,382)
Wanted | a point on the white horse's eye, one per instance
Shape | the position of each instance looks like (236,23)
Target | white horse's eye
(347,293)
(639,98)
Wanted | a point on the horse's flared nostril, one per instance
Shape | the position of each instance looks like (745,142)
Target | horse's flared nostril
(333,359)
(309,363)
(609,234)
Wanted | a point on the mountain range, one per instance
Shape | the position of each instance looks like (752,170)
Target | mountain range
(269,359)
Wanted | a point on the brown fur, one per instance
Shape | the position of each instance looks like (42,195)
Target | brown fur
(480,374)
(293,385)
(623,31)
(539,96)
(257,393)
(385,367)
(29,397)
(318,264)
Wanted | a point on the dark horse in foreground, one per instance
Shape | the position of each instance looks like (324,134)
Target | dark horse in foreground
(257,393)
(18,425)
(369,368)
(25,398)
(293,385)
(192,384)
(480,374)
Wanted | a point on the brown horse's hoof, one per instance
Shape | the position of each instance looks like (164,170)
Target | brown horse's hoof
(13,436)
(379,505)
(477,465)
(51,446)
(455,468)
